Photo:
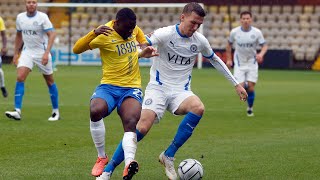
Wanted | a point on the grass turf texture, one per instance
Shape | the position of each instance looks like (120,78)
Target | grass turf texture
(282,141)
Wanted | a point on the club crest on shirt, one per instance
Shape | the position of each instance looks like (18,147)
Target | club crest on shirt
(252,36)
(148,101)
(35,23)
(193,48)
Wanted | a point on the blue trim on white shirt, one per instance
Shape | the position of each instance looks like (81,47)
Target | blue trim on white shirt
(158,77)
(50,29)
(149,41)
(33,15)
(245,30)
(209,57)
(238,61)
(186,87)
(178,31)
(262,44)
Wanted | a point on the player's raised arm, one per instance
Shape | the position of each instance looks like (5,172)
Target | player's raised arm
(83,43)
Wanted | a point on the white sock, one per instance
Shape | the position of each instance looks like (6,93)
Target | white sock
(1,78)
(98,132)
(129,145)
(18,110)
(55,111)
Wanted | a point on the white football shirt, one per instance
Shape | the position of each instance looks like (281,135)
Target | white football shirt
(245,44)
(173,67)
(34,30)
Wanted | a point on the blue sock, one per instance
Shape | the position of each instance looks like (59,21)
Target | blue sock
(53,91)
(185,130)
(118,155)
(251,96)
(18,95)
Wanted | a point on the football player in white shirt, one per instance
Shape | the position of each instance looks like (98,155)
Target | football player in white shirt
(246,39)
(35,34)
(170,84)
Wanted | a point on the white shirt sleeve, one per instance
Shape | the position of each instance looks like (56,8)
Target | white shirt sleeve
(222,68)
(261,39)
(206,51)
(18,24)
(231,37)
(47,25)
(158,36)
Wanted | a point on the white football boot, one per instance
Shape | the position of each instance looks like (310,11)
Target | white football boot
(55,116)
(104,176)
(13,115)
(169,166)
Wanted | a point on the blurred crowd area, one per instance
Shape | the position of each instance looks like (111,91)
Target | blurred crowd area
(287,27)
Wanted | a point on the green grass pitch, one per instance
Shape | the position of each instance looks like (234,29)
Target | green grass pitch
(282,141)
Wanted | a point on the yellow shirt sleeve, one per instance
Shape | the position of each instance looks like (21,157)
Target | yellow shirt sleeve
(140,36)
(2,26)
(83,43)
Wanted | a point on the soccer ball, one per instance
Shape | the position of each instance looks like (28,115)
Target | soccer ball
(190,169)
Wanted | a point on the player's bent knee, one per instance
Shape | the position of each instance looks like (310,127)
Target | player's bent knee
(97,113)
(198,109)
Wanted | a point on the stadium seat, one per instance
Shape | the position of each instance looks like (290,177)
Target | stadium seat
(255,10)
(234,9)
(213,9)
(308,9)
(265,9)
(297,9)
(275,9)
(287,9)
(244,8)
(223,9)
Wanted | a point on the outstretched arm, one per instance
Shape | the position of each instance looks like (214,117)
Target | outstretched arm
(222,68)
(148,52)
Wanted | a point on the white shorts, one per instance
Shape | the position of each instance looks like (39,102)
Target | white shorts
(158,99)
(27,59)
(246,73)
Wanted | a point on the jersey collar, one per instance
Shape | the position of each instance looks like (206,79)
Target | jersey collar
(245,30)
(178,31)
(35,13)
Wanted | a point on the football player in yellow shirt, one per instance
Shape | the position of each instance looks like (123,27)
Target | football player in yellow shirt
(120,84)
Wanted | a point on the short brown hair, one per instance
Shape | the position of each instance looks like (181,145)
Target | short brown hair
(194,7)
(245,13)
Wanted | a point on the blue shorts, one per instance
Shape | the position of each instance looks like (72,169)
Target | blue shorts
(115,95)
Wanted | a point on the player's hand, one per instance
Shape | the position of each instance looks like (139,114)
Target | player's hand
(45,58)
(241,92)
(259,58)
(15,59)
(229,64)
(148,52)
(105,30)
(4,51)
(142,46)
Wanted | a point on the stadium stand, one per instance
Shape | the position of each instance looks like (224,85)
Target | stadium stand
(294,27)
